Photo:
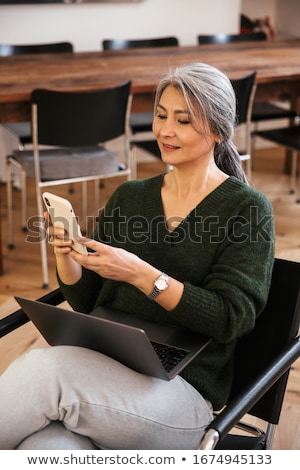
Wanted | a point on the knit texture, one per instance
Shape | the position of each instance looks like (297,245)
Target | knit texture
(223,252)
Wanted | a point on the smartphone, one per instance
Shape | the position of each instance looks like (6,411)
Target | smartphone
(62,215)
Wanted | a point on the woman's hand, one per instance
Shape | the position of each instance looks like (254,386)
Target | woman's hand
(109,262)
(58,238)
(68,269)
(121,265)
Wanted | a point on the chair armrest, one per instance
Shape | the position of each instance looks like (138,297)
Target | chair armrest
(19,317)
(235,410)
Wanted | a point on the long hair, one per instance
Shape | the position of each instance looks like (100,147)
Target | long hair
(211,104)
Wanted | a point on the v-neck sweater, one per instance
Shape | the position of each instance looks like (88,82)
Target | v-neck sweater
(223,252)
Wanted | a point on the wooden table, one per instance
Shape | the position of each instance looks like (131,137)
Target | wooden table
(277,64)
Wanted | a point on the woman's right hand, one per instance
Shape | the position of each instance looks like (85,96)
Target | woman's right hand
(68,269)
(57,237)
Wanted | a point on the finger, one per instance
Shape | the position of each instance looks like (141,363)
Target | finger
(92,244)
(83,260)
(85,240)
(59,243)
(57,232)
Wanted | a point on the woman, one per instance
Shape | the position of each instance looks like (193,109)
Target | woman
(192,247)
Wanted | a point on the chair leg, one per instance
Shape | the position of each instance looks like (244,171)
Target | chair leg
(9,184)
(293,172)
(84,206)
(43,240)
(97,189)
(44,259)
(133,158)
(270,435)
(249,168)
(71,188)
(9,205)
(24,200)
(253,138)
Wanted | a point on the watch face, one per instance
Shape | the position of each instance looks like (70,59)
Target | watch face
(161,284)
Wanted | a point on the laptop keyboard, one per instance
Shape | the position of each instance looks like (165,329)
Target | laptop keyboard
(168,355)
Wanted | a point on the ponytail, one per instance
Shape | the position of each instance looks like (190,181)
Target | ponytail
(228,160)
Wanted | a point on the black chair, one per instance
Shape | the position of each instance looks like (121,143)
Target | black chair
(75,127)
(226,38)
(262,362)
(263,358)
(18,49)
(22,130)
(244,88)
(118,44)
(288,137)
(262,111)
(140,122)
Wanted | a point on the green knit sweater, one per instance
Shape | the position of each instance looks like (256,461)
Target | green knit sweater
(223,252)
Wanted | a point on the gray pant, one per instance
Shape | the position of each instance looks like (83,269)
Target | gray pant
(95,396)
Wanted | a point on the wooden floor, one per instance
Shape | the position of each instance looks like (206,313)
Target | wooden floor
(22,269)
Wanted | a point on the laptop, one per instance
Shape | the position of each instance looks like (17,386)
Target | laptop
(151,348)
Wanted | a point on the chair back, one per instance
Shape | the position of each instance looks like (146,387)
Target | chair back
(70,119)
(227,38)
(244,92)
(11,49)
(118,44)
(275,327)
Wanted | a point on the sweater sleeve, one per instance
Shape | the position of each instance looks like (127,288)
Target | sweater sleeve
(82,295)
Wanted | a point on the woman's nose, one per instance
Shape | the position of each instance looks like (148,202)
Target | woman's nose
(167,128)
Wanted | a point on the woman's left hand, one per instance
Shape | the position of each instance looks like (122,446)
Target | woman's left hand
(121,265)
(108,261)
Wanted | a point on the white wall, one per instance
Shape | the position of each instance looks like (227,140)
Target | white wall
(85,25)
(288,17)
(284,14)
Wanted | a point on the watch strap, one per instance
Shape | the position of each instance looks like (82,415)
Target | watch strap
(156,291)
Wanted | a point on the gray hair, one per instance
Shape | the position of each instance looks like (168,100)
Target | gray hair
(211,104)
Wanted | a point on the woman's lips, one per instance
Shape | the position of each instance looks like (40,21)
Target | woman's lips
(169,147)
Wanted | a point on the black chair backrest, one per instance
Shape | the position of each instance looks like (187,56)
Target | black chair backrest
(243,88)
(10,49)
(81,118)
(227,38)
(118,44)
(275,327)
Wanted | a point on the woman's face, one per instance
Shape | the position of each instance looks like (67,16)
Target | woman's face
(179,142)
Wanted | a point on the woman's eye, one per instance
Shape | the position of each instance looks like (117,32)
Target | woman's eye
(184,121)
(161,116)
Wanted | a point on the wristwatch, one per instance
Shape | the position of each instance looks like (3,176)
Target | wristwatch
(160,284)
